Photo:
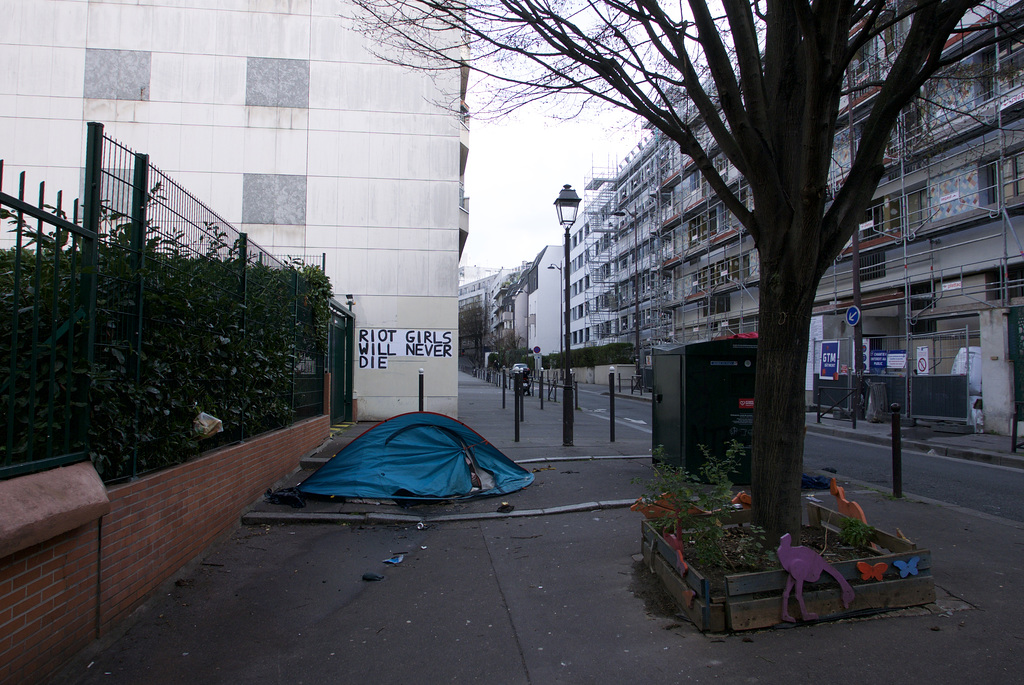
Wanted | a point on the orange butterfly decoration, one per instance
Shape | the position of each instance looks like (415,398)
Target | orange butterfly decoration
(869,571)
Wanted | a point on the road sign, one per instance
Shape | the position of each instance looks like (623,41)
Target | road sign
(536,350)
(923,364)
(853,316)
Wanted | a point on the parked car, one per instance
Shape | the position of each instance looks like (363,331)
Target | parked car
(524,376)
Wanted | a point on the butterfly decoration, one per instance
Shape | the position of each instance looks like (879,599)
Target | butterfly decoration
(869,571)
(908,567)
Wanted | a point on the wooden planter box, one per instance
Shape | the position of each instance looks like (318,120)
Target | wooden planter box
(754,600)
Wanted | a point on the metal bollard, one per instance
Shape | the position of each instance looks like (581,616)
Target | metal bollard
(520,382)
(540,387)
(611,402)
(421,389)
(503,389)
(517,396)
(897,452)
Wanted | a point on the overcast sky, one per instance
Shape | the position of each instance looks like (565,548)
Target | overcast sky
(515,170)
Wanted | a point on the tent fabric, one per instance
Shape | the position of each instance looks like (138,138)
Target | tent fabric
(418,456)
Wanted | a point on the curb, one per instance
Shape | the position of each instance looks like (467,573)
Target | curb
(258,518)
(983,456)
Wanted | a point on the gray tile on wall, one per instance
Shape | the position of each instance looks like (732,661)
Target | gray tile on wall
(274,199)
(272,82)
(117,74)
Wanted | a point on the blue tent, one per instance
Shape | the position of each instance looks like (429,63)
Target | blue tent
(418,456)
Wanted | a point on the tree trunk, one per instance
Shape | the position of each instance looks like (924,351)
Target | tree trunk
(786,299)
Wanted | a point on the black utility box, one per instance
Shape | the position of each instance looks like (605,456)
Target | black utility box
(704,395)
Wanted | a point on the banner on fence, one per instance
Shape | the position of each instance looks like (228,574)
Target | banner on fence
(897,359)
(829,368)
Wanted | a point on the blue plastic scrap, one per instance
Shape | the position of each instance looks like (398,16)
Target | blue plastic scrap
(813,482)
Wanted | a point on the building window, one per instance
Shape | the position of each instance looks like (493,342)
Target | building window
(720,304)
(882,217)
(1011,59)
(1013,176)
(698,229)
(872,265)
(917,209)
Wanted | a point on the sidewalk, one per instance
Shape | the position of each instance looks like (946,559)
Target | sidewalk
(551,593)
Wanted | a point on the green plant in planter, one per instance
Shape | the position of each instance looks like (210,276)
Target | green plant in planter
(698,504)
(856,533)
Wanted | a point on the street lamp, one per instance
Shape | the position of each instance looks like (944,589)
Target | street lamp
(567,204)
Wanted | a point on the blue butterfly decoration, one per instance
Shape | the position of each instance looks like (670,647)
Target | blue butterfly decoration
(908,567)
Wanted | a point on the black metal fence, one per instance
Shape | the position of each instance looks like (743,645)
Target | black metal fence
(142,310)
(932,379)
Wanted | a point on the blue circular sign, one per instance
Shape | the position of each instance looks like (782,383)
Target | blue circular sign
(536,350)
(853,316)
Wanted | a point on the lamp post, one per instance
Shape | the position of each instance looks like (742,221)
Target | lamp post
(567,204)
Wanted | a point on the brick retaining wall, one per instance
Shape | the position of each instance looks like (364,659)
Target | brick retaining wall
(59,595)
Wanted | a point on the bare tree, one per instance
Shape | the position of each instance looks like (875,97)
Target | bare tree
(504,345)
(472,330)
(761,82)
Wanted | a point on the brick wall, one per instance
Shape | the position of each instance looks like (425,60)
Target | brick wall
(59,595)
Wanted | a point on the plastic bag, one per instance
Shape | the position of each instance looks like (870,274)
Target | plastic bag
(206,426)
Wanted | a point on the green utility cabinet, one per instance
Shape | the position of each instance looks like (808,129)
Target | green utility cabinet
(704,395)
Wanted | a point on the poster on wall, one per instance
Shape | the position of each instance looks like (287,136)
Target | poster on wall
(378,345)
(829,369)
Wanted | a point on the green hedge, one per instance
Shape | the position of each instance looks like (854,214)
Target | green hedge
(612,353)
(219,334)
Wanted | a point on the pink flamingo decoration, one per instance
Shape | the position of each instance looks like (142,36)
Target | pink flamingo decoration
(804,564)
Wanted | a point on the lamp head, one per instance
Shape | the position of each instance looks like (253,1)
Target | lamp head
(567,204)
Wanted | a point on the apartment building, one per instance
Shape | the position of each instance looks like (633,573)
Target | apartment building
(279,116)
(940,252)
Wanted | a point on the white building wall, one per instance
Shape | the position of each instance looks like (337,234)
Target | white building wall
(276,115)
(546,303)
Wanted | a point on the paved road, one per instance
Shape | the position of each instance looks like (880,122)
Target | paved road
(630,413)
(983,487)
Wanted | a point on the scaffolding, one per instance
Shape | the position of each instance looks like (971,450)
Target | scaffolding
(712,260)
(599,237)
(939,239)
